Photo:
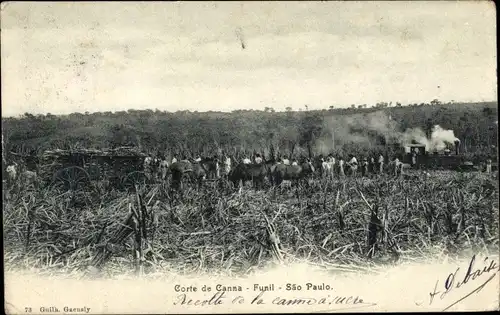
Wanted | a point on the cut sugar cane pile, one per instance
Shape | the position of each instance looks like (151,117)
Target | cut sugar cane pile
(347,225)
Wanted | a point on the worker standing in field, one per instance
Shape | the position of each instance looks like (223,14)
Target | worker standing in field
(174,159)
(155,167)
(397,166)
(286,161)
(217,166)
(324,166)
(372,166)
(341,167)
(227,165)
(380,164)
(330,160)
(11,173)
(147,167)
(163,167)
(247,161)
(488,166)
(364,167)
(353,164)
(414,159)
(294,162)
(258,158)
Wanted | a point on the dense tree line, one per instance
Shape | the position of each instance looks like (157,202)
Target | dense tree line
(288,132)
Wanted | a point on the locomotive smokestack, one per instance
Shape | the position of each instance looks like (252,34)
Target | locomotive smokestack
(457,146)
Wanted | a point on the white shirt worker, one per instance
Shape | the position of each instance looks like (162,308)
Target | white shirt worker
(227,165)
(163,168)
(11,170)
(353,161)
(341,167)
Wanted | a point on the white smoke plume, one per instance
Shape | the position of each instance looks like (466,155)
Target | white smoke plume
(440,137)
(437,142)
(363,129)
(412,135)
(357,128)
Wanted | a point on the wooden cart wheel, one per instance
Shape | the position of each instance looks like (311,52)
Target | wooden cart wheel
(72,177)
(94,171)
(136,177)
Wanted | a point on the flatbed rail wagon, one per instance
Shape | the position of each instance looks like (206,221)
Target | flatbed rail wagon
(74,169)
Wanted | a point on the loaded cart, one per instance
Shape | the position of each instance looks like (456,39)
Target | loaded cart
(77,169)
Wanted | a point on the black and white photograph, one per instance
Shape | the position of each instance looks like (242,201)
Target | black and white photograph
(249,156)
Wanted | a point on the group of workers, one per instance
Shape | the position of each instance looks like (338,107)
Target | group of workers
(328,165)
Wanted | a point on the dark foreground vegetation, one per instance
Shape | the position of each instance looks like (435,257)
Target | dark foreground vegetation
(351,223)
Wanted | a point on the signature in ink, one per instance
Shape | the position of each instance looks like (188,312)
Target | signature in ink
(455,280)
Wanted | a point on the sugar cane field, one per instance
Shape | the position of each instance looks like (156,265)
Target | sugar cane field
(352,223)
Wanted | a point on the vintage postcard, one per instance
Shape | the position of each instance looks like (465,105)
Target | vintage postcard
(249,157)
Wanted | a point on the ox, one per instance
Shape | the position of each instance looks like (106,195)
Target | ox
(195,171)
(206,168)
(255,172)
(178,170)
(282,172)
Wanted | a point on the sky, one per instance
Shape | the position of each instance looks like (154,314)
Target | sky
(68,57)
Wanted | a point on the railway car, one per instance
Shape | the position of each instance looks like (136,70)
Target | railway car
(77,168)
(417,155)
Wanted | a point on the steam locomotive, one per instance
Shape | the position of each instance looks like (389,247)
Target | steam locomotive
(417,155)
